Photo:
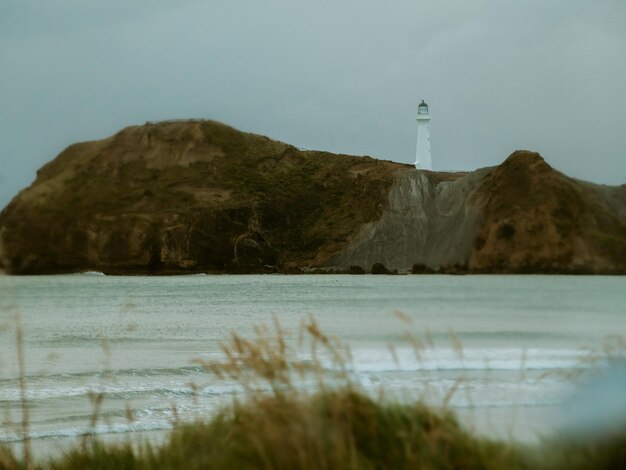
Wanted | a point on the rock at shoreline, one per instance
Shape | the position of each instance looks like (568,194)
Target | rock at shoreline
(199,196)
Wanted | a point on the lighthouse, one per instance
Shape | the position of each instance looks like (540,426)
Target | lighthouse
(423,160)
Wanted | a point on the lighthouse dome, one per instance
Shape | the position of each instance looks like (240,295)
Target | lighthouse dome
(422,108)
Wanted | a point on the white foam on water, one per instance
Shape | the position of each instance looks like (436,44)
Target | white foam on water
(482,359)
(124,391)
(179,318)
(85,430)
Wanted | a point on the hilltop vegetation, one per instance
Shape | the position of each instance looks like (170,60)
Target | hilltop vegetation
(539,220)
(199,196)
(190,196)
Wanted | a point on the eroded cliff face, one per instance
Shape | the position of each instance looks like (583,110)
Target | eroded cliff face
(428,221)
(199,196)
(520,217)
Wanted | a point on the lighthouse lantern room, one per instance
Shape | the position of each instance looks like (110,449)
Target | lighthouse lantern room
(423,160)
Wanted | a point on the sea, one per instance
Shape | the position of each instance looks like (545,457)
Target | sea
(122,357)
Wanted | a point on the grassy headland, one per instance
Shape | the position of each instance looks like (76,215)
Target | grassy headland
(199,196)
(193,196)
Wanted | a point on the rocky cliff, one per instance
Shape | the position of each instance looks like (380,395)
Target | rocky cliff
(199,196)
(520,217)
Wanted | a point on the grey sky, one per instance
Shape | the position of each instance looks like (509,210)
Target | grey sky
(338,75)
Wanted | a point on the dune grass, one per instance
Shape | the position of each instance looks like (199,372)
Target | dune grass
(308,413)
(339,429)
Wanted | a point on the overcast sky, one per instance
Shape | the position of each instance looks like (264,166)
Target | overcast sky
(338,75)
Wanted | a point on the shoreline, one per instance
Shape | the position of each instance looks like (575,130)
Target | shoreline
(352,271)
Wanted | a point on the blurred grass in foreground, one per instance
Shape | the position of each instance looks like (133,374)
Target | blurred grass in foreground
(310,414)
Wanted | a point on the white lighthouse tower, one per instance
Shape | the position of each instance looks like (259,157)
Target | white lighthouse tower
(423,159)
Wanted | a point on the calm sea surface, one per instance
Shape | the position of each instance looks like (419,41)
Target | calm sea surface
(135,338)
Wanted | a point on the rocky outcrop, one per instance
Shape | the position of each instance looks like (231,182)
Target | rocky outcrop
(538,220)
(519,217)
(198,196)
(427,221)
(190,196)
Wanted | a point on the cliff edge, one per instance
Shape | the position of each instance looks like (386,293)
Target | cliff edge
(519,217)
(199,196)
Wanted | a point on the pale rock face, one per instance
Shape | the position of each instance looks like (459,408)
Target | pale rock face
(428,222)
